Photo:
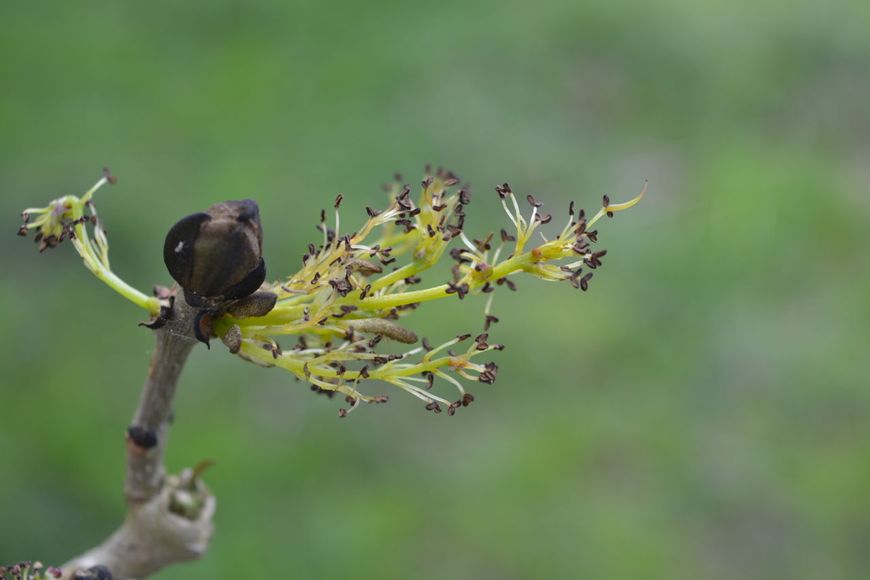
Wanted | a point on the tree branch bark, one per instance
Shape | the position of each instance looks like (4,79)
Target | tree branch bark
(169,518)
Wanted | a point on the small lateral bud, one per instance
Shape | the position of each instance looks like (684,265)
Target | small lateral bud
(143,437)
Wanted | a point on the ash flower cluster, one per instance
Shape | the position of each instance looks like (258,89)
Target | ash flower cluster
(67,217)
(355,288)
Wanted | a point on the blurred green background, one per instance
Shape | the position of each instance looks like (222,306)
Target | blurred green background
(702,412)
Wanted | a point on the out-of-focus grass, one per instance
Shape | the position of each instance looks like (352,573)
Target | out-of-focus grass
(701,412)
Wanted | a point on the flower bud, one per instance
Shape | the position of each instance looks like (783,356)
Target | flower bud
(217,254)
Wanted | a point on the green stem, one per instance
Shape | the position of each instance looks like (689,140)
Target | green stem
(95,265)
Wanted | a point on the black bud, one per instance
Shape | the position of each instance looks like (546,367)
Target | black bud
(143,437)
(217,253)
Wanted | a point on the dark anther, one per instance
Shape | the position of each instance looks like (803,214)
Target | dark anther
(490,319)
(605,200)
(364,372)
(365,291)
(342,413)
(534,202)
(571,208)
(584,281)
(506,237)
(544,219)
(481,341)
(594,259)
(341,286)
(326,392)
(109,177)
(464,197)
(338,199)
(467,399)
(322,216)
(581,245)
(372,212)
(426,345)
(452,231)
(462,337)
(456,254)
(403,200)
(430,379)
(143,437)
(484,244)
(503,190)
(488,376)
(434,407)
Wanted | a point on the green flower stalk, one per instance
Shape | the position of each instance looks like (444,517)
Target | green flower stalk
(354,287)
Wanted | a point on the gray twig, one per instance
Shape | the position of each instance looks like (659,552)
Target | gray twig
(169,518)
